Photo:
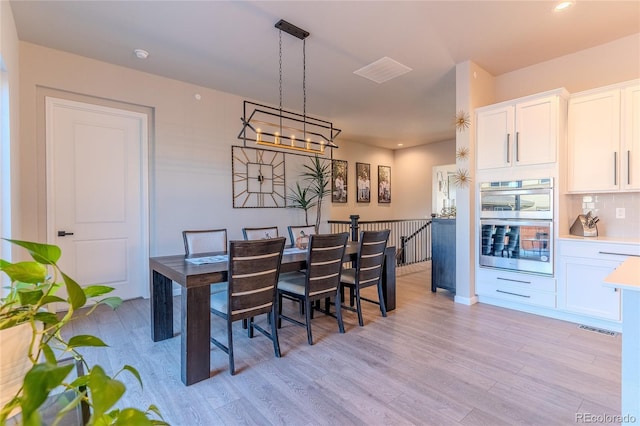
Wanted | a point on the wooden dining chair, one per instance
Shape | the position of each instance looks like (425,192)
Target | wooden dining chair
(368,270)
(206,241)
(320,281)
(260,233)
(299,231)
(254,267)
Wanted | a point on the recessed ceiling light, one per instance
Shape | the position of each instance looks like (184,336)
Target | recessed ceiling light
(141,53)
(563,5)
(400,144)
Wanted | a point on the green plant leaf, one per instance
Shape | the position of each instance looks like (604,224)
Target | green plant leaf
(49,318)
(132,416)
(52,299)
(133,371)
(105,391)
(39,381)
(77,298)
(26,272)
(49,356)
(44,253)
(97,290)
(29,297)
(85,340)
(113,302)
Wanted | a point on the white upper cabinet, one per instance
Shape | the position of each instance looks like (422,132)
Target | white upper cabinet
(604,140)
(518,133)
(630,179)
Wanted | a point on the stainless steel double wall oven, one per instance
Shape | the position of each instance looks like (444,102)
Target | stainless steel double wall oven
(516,225)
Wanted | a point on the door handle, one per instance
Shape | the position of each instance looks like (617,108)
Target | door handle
(64,233)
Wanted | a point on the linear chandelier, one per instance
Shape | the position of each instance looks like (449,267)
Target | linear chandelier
(279,128)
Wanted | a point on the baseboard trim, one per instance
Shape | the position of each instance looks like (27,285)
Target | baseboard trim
(466,300)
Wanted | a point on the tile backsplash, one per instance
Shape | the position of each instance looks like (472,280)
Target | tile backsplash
(604,206)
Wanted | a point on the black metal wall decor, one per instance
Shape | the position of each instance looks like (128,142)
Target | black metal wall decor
(258,178)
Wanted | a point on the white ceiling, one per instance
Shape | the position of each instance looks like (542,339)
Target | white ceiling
(233,46)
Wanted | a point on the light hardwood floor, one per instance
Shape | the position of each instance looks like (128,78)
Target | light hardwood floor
(430,362)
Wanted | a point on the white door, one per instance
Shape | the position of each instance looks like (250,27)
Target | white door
(97,194)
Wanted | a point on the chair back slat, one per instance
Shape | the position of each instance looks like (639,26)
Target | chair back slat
(254,267)
(205,241)
(371,256)
(324,262)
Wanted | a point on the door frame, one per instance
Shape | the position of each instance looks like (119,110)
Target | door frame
(51,101)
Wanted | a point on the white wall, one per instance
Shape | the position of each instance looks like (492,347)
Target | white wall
(602,65)
(9,66)
(190,152)
(412,186)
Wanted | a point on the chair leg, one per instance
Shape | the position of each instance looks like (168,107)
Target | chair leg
(383,308)
(244,323)
(358,306)
(250,328)
(351,296)
(308,315)
(279,324)
(274,332)
(339,312)
(232,368)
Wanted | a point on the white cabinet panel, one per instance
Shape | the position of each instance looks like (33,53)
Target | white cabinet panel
(604,140)
(584,292)
(631,138)
(519,133)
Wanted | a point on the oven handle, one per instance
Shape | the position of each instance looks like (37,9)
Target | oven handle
(511,191)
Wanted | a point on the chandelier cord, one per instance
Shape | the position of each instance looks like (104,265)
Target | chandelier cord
(280,72)
(304,88)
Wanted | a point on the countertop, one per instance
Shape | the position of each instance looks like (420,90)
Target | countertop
(601,239)
(626,276)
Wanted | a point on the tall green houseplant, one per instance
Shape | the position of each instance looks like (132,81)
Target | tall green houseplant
(32,292)
(318,175)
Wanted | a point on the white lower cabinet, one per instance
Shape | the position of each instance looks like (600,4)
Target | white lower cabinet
(583,289)
(514,287)
(583,267)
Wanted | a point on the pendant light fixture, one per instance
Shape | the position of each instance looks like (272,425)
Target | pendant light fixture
(282,129)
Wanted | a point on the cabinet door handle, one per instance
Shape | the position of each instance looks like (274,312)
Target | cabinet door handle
(517,147)
(514,281)
(628,167)
(514,294)
(508,145)
(619,254)
(615,167)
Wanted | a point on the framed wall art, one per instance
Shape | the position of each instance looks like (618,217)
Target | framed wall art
(338,181)
(363,178)
(384,184)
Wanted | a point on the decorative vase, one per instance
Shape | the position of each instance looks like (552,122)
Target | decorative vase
(302,242)
(14,360)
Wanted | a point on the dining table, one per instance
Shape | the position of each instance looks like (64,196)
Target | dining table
(194,274)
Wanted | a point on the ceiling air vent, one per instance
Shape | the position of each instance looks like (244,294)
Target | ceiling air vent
(382,70)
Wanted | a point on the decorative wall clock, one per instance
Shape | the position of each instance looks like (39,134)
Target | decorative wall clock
(258,178)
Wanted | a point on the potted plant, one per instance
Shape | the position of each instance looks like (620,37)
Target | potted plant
(318,174)
(32,291)
(301,198)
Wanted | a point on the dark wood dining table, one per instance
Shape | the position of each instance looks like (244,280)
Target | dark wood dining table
(195,280)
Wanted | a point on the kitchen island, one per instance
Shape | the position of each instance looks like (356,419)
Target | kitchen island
(627,278)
